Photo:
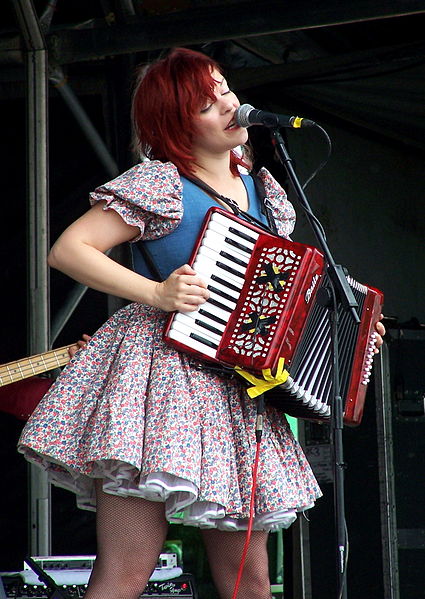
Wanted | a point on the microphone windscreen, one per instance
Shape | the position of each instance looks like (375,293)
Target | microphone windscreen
(242,113)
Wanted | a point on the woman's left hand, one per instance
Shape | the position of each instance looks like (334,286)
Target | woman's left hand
(380,330)
(72,350)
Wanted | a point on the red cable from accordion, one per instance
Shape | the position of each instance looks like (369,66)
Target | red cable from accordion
(258,433)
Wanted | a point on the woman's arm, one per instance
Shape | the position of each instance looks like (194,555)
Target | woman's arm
(79,253)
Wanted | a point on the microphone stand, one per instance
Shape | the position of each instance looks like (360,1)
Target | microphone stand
(341,292)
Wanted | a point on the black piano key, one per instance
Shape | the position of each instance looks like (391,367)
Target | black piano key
(203,340)
(207,326)
(225,283)
(218,304)
(242,235)
(204,312)
(237,245)
(233,258)
(222,294)
(229,269)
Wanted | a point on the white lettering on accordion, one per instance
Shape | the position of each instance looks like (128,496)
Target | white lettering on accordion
(310,290)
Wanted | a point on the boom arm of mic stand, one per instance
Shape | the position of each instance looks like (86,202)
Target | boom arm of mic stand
(335,271)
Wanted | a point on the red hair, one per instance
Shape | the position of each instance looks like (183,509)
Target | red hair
(168,96)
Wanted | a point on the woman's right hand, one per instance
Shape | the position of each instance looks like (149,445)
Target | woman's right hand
(184,290)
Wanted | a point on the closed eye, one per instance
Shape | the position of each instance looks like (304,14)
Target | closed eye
(222,93)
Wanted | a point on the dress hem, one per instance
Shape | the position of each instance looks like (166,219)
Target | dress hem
(180,496)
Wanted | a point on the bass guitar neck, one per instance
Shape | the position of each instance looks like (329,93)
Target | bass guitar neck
(26,367)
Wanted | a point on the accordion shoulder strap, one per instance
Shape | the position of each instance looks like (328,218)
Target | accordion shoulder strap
(271,227)
(149,261)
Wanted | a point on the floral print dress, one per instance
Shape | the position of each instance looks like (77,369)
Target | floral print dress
(148,421)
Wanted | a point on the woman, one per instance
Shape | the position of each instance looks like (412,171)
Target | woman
(137,429)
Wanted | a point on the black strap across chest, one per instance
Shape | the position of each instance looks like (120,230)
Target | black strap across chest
(271,227)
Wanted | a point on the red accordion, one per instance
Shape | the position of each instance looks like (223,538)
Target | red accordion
(263,307)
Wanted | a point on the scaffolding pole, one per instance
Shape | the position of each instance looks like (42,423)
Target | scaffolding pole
(37,242)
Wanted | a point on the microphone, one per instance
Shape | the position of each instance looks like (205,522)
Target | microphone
(246,115)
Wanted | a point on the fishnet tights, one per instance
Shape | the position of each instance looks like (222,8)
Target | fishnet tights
(130,535)
(224,551)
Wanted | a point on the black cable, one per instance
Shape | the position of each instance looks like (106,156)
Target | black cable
(259,422)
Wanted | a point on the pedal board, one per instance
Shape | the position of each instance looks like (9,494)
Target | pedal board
(16,588)
(71,575)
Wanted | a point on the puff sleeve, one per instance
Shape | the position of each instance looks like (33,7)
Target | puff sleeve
(281,208)
(148,196)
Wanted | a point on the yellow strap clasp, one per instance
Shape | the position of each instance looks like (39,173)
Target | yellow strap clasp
(268,381)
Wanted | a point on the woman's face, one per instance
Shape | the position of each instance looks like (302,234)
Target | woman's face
(215,130)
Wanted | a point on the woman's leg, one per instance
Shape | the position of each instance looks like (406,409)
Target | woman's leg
(130,535)
(224,550)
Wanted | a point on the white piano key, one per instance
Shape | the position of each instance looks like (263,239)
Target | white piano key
(230,228)
(222,287)
(188,325)
(216,311)
(229,223)
(205,267)
(192,343)
(196,315)
(218,244)
(213,255)
(218,298)
(217,241)
(247,246)
(222,250)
